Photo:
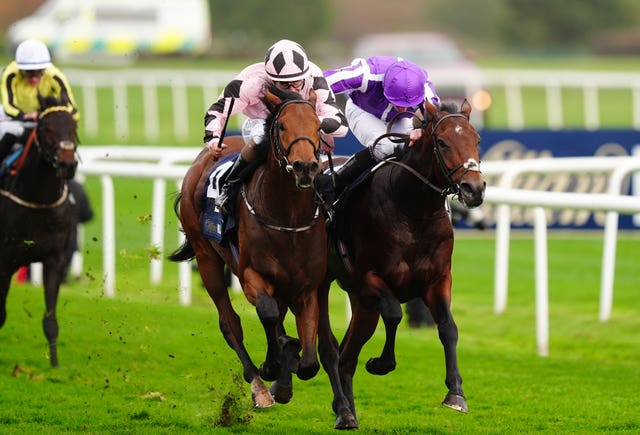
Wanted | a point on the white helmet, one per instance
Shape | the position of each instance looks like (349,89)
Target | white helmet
(32,54)
(286,61)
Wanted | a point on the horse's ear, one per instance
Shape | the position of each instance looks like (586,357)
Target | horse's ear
(465,109)
(431,110)
(419,119)
(64,98)
(272,100)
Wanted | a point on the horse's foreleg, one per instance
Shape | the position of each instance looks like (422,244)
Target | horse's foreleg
(282,388)
(328,350)
(5,283)
(391,312)
(448,333)
(211,269)
(52,276)
(307,326)
(269,314)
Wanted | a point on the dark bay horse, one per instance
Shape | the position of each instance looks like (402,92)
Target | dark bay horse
(36,213)
(398,235)
(282,254)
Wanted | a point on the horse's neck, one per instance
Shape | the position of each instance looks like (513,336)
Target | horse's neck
(411,189)
(37,180)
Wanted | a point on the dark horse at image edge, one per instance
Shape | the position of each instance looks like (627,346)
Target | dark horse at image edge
(36,212)
(282,254)
(395,229)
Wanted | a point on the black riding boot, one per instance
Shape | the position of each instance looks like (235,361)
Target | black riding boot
(345,175)
(236,175)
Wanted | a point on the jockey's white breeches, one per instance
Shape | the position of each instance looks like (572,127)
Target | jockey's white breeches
(367,128)
(10,125)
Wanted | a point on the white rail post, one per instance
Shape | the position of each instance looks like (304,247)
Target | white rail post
(157,226)
(108,236)
(542,282)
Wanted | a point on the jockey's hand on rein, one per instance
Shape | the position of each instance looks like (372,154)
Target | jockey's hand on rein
(414,135)
(327,142)
(215,147)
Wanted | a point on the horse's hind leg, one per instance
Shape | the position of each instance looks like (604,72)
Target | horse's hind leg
(391,312)
(328,350)
(448,333)
(361,327)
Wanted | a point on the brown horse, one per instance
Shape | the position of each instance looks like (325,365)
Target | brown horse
(282,254)
(398,235)
(36,214)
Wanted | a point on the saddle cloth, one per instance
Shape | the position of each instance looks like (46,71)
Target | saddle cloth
(215,225)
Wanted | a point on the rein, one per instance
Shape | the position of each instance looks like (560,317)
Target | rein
(452,187)
(23,157)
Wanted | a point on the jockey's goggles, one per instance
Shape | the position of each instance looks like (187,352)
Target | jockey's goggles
(297,85)
(33,73)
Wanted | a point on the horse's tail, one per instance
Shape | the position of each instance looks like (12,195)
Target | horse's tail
(184,252)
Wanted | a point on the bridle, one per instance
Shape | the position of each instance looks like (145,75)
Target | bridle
(65,145)
(49,157)
(452,188)
(281,155)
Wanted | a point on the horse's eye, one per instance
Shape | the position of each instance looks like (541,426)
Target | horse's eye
(442,144)
(280,126)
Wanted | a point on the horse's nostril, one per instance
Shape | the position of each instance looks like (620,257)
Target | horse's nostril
(314,167)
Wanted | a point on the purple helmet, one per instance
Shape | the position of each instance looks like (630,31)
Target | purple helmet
(404,84)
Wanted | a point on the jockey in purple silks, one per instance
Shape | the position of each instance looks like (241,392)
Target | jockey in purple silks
(378,89)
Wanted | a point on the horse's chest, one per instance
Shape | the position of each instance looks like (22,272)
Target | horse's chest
(38,231)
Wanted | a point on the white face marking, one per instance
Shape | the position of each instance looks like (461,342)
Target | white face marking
(472,165)
(458,129)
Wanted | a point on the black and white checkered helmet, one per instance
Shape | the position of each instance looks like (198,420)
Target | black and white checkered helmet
(286,61)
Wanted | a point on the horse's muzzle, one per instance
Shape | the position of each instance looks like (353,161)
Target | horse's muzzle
(305,172)
(472,192)
(66,169)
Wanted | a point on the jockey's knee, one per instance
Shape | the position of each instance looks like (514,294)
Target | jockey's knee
(383,149)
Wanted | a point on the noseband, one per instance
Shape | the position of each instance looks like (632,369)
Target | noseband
(281,155)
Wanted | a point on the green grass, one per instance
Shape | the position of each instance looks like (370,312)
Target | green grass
(141,363)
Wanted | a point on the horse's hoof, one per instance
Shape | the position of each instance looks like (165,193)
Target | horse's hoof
(346,421)
(457,402)
(260,395)
(281,393)
(378,366)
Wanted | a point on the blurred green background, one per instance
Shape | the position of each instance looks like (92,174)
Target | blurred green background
(489,29)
